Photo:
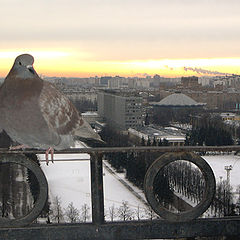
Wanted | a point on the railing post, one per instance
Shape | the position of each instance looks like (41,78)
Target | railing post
(97,188)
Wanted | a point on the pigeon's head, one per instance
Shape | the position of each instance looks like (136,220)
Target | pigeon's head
(24,65)
(25,60)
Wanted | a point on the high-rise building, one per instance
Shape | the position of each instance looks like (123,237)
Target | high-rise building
(189,81)
(122,110)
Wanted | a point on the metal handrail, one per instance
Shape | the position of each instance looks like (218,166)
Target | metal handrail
(96,160)
(133,149)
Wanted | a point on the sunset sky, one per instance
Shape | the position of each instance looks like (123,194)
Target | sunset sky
(122,37)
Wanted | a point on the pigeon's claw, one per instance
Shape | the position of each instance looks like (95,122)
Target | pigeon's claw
(51,150)
(52,153)
(18,147)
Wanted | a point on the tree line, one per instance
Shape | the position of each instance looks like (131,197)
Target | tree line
(135,164)
(124,212)
(164,116)
(210,131)
(179,178)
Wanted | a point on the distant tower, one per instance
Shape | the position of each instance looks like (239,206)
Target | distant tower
(228,169)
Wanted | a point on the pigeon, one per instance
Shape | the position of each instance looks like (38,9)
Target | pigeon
(36,114)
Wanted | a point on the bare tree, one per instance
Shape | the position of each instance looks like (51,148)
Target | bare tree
(124,212)
(224,197)
(150,213)
(85,213)
(138,213)
(72,213)
(56,211)
(112,211)
(238,200)
(5,182)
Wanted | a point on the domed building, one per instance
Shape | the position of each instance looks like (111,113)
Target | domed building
(178,100)
(176,107)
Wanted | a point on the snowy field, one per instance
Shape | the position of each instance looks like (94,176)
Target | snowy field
(71,182)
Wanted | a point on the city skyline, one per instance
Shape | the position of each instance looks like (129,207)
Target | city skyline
(127,38)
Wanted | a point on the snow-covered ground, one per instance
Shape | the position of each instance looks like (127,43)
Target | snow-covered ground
(71,182)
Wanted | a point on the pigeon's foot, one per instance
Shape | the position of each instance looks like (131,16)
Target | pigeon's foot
(18,147)
(51,150)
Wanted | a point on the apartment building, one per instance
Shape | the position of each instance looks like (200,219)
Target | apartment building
(122,110)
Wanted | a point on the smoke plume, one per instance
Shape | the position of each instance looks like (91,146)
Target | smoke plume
(204,71)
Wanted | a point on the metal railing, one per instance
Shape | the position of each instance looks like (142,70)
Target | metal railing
(177,225)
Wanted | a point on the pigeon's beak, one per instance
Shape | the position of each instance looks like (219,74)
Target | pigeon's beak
(30,68)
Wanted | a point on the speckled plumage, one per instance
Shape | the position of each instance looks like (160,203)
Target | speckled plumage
(34,113)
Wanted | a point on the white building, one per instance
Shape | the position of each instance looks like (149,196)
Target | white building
(173,135)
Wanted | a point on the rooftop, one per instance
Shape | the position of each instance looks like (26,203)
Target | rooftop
(122,93)
(177,100)
(169,133)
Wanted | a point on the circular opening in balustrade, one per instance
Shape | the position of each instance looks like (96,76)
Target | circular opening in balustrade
(179,186)
(23,190)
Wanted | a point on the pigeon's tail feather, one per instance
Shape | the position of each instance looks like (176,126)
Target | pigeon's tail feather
(85,131)
(92,142)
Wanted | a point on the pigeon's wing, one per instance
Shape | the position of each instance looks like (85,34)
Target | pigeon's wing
(59,113)
(20,114)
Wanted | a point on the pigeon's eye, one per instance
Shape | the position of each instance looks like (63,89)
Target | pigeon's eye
(20,63)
